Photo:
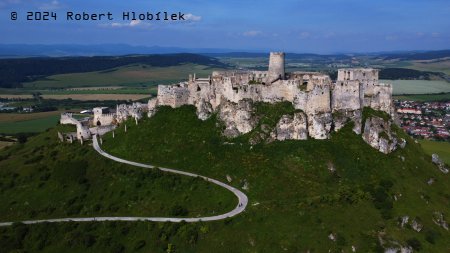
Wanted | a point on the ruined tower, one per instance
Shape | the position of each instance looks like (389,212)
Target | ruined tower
(358,74)
(276,67)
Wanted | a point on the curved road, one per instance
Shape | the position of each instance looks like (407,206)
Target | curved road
(242,204)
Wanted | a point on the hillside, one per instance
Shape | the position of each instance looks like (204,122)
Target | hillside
(301,193)
(13,72)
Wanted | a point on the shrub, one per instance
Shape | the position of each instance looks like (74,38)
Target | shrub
(139,245)
(414,243)
(178,210)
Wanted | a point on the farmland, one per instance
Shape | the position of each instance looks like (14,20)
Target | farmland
(29,125)
(83,97)
(131,75)
(418,86)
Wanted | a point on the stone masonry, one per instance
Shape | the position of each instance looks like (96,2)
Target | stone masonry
(326,105)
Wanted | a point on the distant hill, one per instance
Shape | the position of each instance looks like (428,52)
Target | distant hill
(15,71)
(429,55)
(409,74)
(61,50)
(293,56)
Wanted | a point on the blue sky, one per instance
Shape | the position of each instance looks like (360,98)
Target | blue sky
(316,26)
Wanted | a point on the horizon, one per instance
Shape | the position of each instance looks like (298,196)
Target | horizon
(320,27)
(202,50)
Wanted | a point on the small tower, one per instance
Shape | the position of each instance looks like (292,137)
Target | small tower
(276,67)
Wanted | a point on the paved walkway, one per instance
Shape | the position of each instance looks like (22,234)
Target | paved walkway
(242,204)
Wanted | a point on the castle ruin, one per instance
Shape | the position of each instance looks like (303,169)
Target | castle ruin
(322,106)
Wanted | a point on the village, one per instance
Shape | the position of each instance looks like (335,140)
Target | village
(425,120)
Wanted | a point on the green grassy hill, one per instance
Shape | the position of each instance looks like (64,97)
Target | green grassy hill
(295,201)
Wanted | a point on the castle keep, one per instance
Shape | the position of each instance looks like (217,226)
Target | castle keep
(324,105)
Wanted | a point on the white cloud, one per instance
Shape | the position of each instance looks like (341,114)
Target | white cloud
(252,33)
(192,17)
(329,35)
(435,34)
(391,37)
(132,23)
(49,6)
(135,22)
(6,3)
(305,35)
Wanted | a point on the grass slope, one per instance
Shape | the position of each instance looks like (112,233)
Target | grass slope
(48,179)
(295,201)
(439,147)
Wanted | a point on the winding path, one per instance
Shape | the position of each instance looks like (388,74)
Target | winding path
(242,204)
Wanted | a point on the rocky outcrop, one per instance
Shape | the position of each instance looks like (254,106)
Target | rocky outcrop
(238,118)
(438,219)
(342,117)
(319,125)
(204,109)
(378,134)
(291,127)
(440,164)
(152,107)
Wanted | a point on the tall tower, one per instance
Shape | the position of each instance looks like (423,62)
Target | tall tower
(276,67)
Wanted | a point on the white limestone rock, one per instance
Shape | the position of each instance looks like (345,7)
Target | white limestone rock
(416,225)
(332,237)
(238,117)
(438,219)
(404,220)
(378,134)
(152,107)
(319,125)
(204,110)
(291,127)
(342,117)
(440,164)
(402,143)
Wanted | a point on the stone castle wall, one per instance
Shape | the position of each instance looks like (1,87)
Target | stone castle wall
(67,119)
(173,95)
(346,96)
(325,104)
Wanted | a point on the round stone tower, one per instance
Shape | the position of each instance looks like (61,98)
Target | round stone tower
(276,66)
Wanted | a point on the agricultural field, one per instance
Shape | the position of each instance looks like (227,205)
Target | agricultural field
(131,75)
(81,97)
(13,123)
(4,144)
(431,65)
(425,97)
(438,147)
(418,86)
(32,125)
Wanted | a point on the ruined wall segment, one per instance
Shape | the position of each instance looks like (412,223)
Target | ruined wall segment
(173,95)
